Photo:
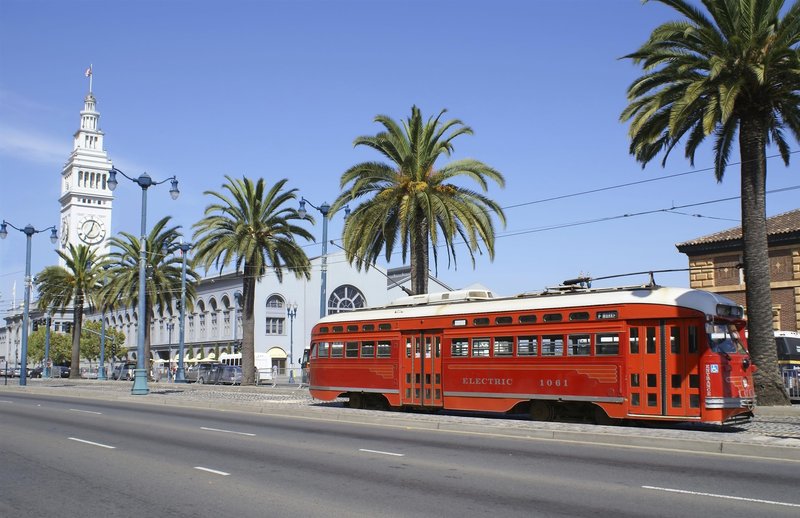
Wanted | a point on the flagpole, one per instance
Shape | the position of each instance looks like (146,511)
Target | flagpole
(90,77)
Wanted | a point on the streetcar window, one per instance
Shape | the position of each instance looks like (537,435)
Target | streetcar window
(459,347)
(352,329)
(580,315)
(724,338)
(351,350)
(338,329)
(693,339)
(384,349)
(606,343)
(480,347)
(579,345)
(384,327)
(527,319)
(651,340)
(503,346)
(368,327)
(634,340)
(367,349)
(527,346)
(503,320)
(323,348)
(337,348)
(482,321)
(323,329)
(553,317)
(553,345)
(675,340)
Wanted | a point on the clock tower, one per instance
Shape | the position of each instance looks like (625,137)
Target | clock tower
(85,197)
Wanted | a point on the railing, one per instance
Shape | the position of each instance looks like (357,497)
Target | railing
(791,380)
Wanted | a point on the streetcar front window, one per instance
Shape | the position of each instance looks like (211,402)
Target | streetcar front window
(724,339)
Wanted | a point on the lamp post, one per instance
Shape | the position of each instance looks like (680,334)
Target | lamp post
(323,209)
(144,181)
(180,374)
(291,312)
(101,370)
(29,231)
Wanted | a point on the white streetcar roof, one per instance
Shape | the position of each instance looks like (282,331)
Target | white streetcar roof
(704,301)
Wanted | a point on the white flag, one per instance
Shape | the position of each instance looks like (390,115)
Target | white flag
(88,71)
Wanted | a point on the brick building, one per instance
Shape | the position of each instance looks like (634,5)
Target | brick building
(714,262)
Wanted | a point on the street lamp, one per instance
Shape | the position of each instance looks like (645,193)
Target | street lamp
(46,372)
(323,209)
(144,181)
(29,231)
(180,374)
(291,312)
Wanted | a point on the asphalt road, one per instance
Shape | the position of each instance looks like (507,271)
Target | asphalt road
(68,458)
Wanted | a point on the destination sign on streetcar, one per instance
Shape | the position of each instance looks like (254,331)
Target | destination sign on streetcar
(638,353)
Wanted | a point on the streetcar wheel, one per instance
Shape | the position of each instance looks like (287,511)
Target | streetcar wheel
(542,411)
(600,417)
(356,401)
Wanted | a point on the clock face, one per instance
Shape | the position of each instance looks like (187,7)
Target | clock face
(91,231)
(64,231)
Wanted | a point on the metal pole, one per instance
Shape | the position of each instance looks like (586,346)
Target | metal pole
(46,372)
(323,303)
(101,370)
(23,370)
(180,375)
(140,374)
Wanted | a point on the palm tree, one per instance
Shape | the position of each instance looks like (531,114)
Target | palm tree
(414,202)
(253,228)
(738,70)
(163,283)
(75,284)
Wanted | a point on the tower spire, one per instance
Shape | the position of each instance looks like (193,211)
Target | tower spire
(88,74)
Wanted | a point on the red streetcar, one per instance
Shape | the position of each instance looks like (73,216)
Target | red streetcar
(644,352)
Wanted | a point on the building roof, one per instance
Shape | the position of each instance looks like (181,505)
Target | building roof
(781,228)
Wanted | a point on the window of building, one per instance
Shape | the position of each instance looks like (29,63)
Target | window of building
(275,325)
(346,298)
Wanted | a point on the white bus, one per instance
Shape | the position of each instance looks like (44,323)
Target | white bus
(263,364)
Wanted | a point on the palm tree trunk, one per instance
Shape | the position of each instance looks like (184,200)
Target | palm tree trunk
(761,339)
(248,325)
(77,324)
(419,258)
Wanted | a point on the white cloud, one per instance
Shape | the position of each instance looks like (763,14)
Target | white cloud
(29,146)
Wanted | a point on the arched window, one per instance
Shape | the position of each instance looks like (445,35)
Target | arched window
(276,315)
(346,298)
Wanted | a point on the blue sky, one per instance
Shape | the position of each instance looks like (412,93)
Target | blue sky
(280,89)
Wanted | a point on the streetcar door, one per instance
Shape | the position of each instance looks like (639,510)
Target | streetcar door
(421,377)
(682,368)
(646,359)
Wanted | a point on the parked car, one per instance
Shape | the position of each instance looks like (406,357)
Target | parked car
(123,371)
(230,375)
(207,373)
(60,371)
(35,372)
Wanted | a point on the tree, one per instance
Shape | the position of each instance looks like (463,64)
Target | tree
(76,284)
(737,71)
(163,282)
(60,347)
(253,228)
(90,341)
(411,201)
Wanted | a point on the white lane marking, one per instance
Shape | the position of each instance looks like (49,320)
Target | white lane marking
(227,431)
(85,411)
(727,497)
(383,452)
(5,401)
(92,443)
(201,468)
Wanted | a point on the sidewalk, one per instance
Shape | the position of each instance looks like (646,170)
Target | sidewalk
(774,433)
